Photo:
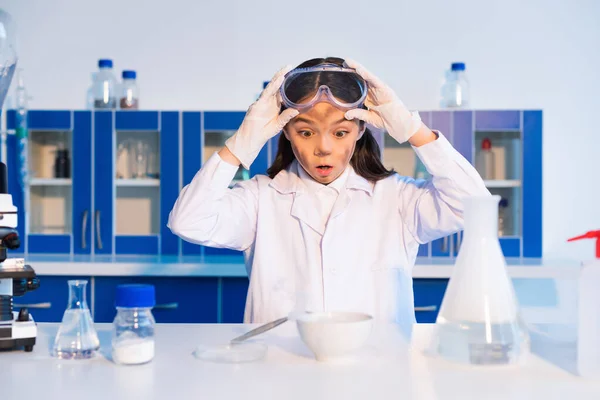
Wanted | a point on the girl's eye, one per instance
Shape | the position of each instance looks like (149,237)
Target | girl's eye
(341,134)
(305,133)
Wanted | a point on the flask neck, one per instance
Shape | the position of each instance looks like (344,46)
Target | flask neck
(481,217)
(77,295)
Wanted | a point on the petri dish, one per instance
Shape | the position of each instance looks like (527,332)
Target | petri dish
(232,353)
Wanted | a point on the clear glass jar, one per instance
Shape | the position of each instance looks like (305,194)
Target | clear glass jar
(130,93)
(133,326)
(456,89)
(105,86)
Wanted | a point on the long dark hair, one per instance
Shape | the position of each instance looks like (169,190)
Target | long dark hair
(366,159)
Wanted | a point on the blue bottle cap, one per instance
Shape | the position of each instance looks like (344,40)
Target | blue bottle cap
(503,203)
(458,66)
(105,63)
(135,296)
(128,74)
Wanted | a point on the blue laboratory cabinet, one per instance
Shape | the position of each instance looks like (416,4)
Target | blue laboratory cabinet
(516,139)
(100,182)
(127,168)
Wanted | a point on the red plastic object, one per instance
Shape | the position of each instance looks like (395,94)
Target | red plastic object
(590,235)
(486,144)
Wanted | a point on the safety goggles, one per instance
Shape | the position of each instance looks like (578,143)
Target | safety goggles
(354,90)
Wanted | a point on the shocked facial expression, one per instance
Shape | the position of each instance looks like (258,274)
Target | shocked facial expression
(323,141)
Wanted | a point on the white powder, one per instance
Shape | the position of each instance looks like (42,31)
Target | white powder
(133,351)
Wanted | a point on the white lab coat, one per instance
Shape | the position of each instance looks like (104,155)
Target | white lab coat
(361,259)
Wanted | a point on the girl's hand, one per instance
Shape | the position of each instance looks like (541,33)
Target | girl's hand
(385,110)
(261,123)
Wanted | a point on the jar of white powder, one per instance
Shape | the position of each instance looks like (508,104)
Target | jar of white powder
(133,327)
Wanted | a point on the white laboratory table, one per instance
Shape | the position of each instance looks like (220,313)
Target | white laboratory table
(385,369)
(228,266)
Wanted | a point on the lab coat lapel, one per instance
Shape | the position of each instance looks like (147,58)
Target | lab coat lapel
(304,207)
(354,182)
(341,203)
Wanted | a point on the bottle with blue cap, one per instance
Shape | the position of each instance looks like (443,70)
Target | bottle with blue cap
(105,86)
(129,98)
(133,326)
(455,90)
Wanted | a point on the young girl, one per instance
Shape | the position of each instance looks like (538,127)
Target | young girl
(330,228)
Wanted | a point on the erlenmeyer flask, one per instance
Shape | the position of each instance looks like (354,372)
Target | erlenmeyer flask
(479,321)
(76,337)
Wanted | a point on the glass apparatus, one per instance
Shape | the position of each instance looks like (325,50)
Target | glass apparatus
(105,86)
(129,98)
(8,53)
(456,88)
(76,337)
(133,326)
(479,321)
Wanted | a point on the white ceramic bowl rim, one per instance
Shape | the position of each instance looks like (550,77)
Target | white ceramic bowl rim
(334,317)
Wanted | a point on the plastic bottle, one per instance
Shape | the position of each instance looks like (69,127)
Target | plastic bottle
(105,86)
(588,324)
(485,162)
(133,326)
(129,98)
(455,90)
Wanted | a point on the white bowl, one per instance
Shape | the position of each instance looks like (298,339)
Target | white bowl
(331,335)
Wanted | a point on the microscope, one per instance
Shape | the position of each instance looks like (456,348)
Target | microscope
(17,328)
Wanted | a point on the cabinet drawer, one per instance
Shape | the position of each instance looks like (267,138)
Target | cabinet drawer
(233,299)
(429,294)
(49,302)
(178,300)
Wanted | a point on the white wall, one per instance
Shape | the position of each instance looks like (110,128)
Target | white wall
(216,54)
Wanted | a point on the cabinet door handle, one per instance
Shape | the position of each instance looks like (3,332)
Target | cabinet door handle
(167,306)
(426,308)
(98,237)
(84,228)
(33,305)
(445,244)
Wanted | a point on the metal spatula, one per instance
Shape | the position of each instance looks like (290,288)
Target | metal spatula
(257,331)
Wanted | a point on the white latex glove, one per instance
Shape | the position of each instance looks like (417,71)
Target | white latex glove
(385,110)
(261,123)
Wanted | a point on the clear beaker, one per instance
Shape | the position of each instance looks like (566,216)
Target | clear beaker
(76,338)
(139,159)
(479,321)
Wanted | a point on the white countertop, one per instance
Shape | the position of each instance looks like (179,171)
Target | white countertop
(385,369)
(228,266)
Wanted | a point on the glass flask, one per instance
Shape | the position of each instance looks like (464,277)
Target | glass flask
(479,321)
(8,53)
(76,337)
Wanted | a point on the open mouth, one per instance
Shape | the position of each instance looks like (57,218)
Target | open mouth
(324,170)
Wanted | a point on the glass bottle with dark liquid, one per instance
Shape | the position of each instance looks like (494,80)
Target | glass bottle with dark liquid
(129,98)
